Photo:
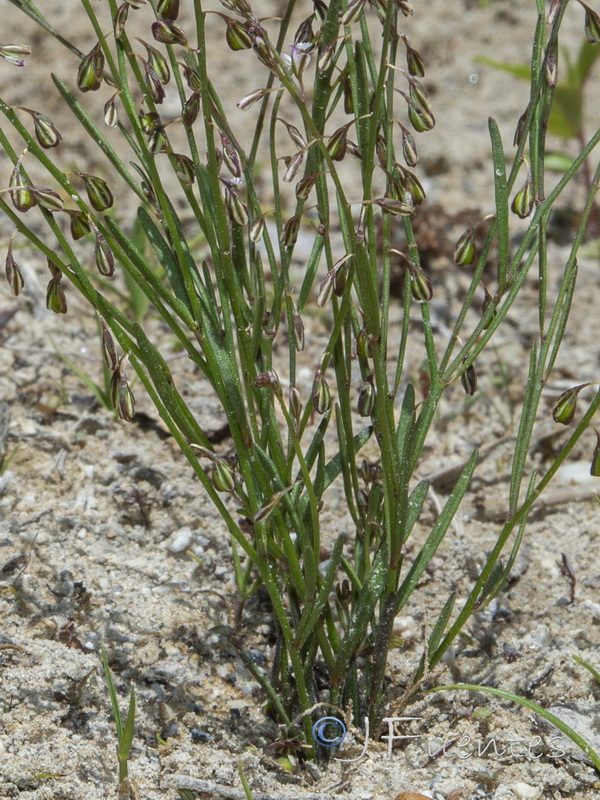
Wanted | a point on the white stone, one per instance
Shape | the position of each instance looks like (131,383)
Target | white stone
(180,540)
(523,791)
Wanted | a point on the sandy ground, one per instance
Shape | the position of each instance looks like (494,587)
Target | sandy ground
(97,519)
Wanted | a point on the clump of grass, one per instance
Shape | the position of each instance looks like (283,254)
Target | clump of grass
(348,89)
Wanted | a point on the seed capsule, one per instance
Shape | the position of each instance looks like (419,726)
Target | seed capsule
(465,251)
(257,229)
(110,113)
(566,405)
(295,403)
(289,235)
(469,380)
(120,393)
(190,109)
(55,296)
(20,191)
(168,32)
(80,225)
(595,465)
(168,9)
(420,285)
(222,476)
(98,193)
(89,74)
(366,399)
(236,209)
(105,261)
(591,25)
(237,35)
(321,395)
(121,19)
(353,12)
(45,130)
(184,168)
(47,198)
(109,352)
(13,273)
(522,203)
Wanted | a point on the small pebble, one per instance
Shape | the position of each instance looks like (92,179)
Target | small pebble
(180,541)
(200,737)
(523,791)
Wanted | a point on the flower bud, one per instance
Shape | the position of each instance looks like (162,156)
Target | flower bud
(168,32)
(469,380)
(336,144)
(591,25)
(47,198)
(305,186)
(294,164)
(409,148)
(326,289)
(295,403)
(136,3)
(595,465)
(168,9)
(157,140)
(111,117)
(289,235)
(299,331)
(109,352)
(238,213)
(295,135)
(395,207)
(566,405)
(121,19)
(20,190)
(551,67)
(184,168)
(13,273)
(191,78)
(105,261)
(12,53)
(158,63)
(321,395)
(222,476)
(155,87)
(251,98)
(55,296)
(257,229)
(237,35)
(80,225)
(45,130)
(465,251)
(190,109)
(230,156)
(89,74)
(326,54)
(98,193)
(420,285)
(353,12)
(421,119)
(363,345)
(149,121)
(414,62)
(120,393)
(522,204)
(366,399)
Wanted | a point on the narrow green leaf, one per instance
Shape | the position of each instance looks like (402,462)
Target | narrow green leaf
(362,615)
(501,192)
(437,532)
(312,613)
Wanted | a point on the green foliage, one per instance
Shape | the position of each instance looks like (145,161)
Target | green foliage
(239,315)
(125,731)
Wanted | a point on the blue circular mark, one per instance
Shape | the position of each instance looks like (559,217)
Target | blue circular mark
(320,732)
